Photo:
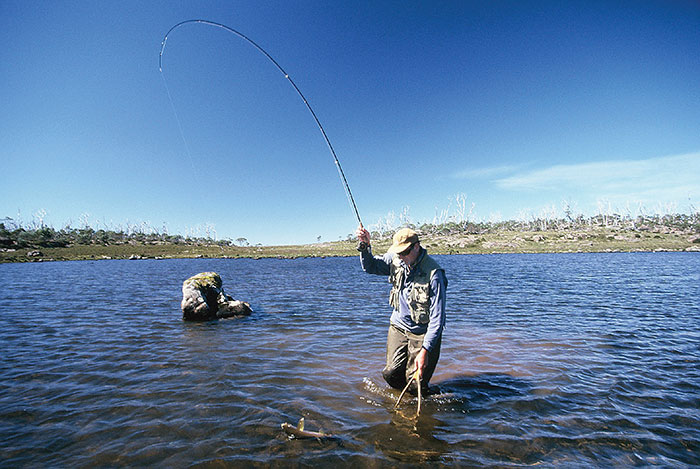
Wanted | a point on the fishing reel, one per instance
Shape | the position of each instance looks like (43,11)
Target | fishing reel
(362,246)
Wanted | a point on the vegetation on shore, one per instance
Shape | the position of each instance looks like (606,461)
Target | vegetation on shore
(609,233)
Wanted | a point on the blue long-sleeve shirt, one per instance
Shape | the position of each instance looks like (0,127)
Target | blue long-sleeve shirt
(402,318)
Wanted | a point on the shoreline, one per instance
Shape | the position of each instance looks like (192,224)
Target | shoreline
(500,242)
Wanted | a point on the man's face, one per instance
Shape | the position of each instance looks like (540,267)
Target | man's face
(410,255)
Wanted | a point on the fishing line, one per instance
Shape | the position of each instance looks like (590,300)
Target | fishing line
(179,124)
(343,179)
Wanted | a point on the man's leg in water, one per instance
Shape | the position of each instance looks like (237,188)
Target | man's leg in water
(402,347)
(396,358)
(415,344)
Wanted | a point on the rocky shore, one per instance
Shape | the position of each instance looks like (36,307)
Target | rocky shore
(553,241)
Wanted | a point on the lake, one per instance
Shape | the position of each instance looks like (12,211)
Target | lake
(554,360)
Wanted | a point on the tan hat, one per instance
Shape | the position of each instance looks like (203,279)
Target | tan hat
(403,239)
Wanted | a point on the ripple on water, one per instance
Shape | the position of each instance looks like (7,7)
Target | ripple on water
(567,360)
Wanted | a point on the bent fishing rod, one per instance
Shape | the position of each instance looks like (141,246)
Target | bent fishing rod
(348,193)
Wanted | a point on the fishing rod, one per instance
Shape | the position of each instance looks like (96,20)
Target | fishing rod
(343,179)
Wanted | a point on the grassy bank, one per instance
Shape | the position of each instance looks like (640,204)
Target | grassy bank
(597,239)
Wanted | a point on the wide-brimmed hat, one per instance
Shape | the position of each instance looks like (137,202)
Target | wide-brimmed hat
(403,239)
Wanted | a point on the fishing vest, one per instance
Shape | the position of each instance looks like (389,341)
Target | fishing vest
(419,296)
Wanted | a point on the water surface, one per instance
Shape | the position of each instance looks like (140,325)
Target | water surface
(552,360)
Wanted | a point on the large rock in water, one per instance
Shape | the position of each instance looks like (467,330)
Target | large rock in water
(203,299)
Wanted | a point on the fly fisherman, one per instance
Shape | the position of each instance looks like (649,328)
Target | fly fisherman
(418,301)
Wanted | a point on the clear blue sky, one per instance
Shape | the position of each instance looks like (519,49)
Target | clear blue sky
(518,105)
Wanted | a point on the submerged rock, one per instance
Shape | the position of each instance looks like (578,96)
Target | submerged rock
(203,299)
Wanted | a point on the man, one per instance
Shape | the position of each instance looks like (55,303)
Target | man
(418,301)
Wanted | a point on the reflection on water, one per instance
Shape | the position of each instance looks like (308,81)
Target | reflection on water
(583,360)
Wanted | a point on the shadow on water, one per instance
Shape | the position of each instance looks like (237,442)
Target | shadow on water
(406,438)
(411,439)
(474,389)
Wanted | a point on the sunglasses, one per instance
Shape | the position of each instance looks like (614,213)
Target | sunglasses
(406,251)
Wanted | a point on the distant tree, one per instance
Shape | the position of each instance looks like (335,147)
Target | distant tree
(242,241)
(463,215)
(85,235)
(5,236)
